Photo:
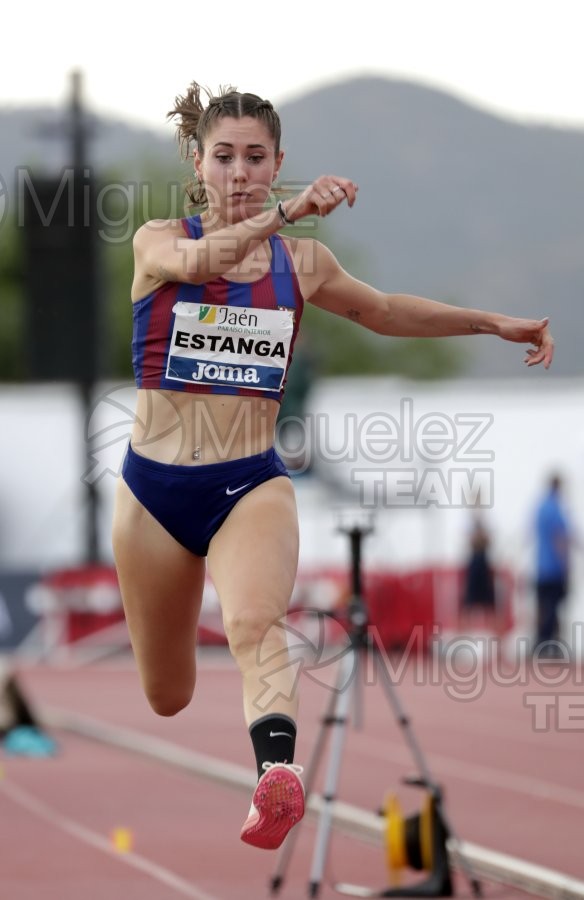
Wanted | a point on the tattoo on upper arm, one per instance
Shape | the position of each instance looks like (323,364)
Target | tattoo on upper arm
(354,314)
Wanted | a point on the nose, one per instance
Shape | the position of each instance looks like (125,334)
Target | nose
(239,170)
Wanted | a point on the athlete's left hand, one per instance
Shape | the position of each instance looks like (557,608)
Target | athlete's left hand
(530,331)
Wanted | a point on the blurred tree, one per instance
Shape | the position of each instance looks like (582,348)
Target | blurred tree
(11,302)
(340,347)
(158,193)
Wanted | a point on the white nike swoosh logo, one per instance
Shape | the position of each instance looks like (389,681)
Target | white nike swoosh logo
(228,491)
(280,734)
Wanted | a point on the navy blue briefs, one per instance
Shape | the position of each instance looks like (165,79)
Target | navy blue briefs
(192,502)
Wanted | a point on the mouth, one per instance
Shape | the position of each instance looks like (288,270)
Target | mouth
(240,195)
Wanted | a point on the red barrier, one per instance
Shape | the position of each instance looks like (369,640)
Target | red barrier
(405,608)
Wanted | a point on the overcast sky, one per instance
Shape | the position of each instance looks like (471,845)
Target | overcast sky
(519,58)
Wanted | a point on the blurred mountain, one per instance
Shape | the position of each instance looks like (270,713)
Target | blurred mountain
(454,203)
(37,137)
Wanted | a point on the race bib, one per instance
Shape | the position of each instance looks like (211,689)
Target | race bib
(227,345)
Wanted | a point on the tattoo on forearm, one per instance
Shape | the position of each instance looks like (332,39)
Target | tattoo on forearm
(354,314)
(474,327)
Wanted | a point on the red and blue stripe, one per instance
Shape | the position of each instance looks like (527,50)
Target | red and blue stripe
(154,318)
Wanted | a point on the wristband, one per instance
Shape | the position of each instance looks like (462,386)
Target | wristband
(283,216)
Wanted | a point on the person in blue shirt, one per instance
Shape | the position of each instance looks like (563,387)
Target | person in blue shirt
(552,561)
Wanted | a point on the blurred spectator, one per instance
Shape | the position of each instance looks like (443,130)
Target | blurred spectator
(553,535)
(479,600)
(6,627)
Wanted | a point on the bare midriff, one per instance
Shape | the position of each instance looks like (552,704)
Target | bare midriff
(184,429)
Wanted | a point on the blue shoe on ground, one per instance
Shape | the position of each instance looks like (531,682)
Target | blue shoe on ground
(26,740)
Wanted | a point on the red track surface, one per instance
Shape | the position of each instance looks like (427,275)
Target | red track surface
(508,787)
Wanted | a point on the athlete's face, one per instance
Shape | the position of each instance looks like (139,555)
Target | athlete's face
(238,167)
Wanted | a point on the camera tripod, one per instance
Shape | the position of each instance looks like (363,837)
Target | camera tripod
(337,717)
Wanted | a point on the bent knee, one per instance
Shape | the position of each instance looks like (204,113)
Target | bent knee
(249,628)
(169,703)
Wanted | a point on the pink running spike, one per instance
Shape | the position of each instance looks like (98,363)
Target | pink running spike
(277,805)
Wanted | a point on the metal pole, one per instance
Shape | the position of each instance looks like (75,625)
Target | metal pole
(78,135)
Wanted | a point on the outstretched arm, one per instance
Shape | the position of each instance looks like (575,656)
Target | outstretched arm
(402,315)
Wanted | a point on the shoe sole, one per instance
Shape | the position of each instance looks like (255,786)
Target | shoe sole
(279,800)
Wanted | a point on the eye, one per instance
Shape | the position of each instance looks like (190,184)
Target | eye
(222,157)
(256,158)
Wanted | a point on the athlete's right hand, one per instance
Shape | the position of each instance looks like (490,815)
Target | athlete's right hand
(321,197)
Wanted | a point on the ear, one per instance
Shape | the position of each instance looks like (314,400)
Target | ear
(278,164)
(198,162)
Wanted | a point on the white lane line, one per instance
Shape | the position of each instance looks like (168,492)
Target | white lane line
(80,832)
(480,775)
(490,724)
(377,748)
(356,822)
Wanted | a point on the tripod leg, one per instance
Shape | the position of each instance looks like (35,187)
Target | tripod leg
(287,848)
(349,677)
(404,722)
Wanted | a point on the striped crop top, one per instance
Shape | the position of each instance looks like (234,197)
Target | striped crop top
(221,337)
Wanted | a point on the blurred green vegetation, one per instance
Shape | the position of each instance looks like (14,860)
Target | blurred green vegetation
(158,194)
(336,346)
(11,302)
